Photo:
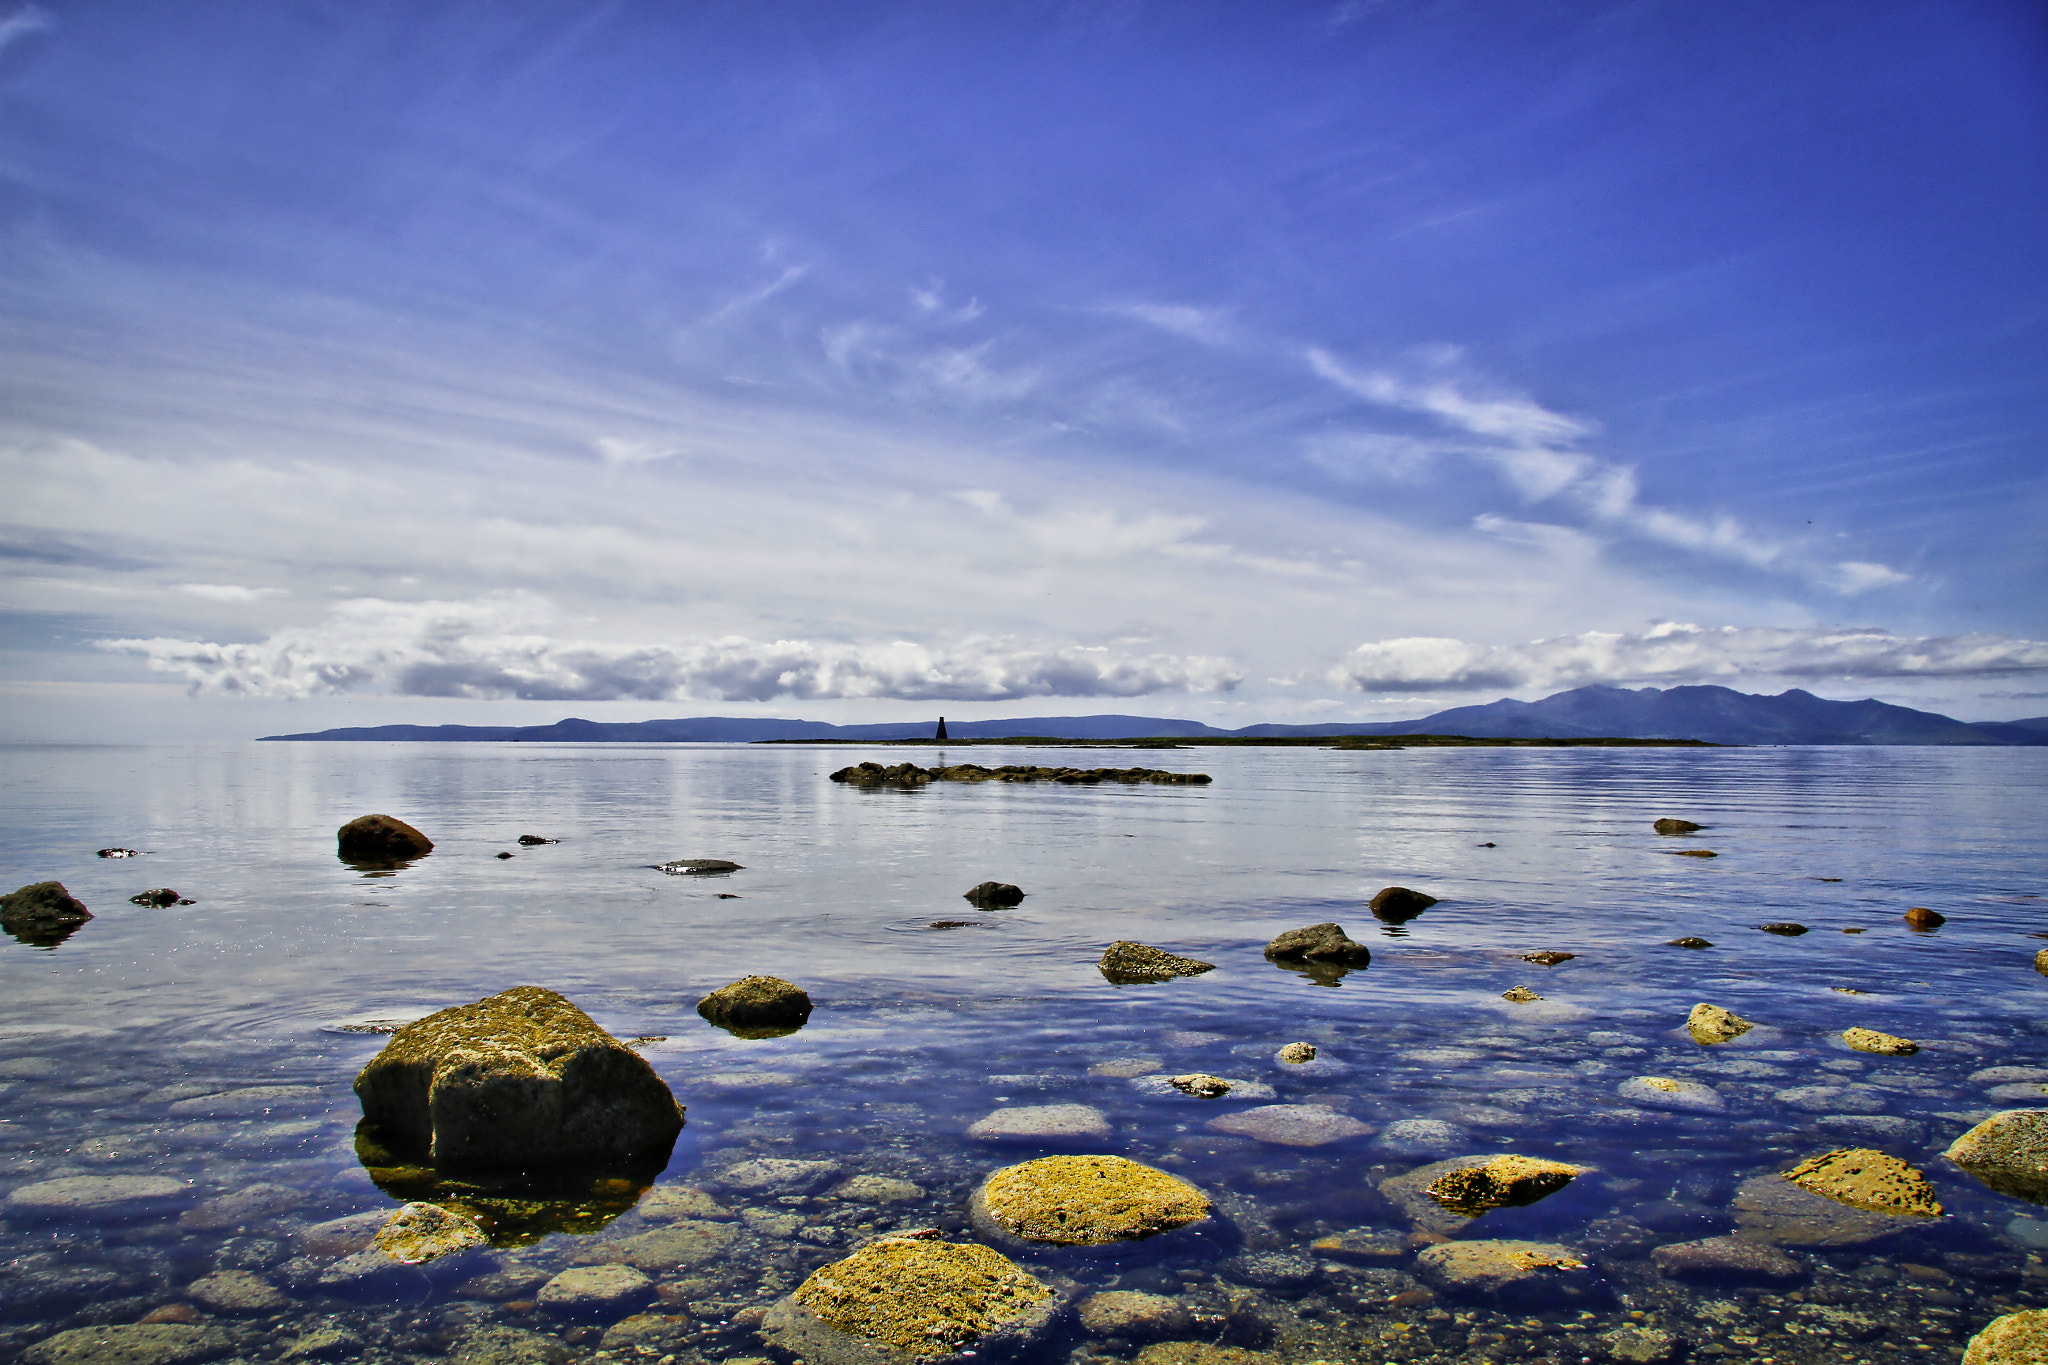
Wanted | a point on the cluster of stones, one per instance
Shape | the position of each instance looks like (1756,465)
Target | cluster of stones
(911,775)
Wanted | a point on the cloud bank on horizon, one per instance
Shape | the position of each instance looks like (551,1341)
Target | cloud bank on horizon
(1305,364)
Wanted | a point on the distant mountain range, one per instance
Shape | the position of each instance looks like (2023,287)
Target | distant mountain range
(1718,715)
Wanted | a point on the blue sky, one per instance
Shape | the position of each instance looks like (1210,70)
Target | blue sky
(489,362)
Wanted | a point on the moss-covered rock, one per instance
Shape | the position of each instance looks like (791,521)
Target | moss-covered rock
(1319,943)
(757,1006)
(905,1299)
(1087,1201)
(380,839)
(1500,1182)
(2015,1339)
(1884,1044)
(154,1343)
(1125,963)
(520,1079)
(2008,1152)
(42,913)
(1864,1178)
(1710,1024)
(1668,825)
(418,1233)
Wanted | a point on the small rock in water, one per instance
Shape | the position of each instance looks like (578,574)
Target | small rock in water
(1043,1123)
(165,1343)
(697,867)
(1667,825)
(1397,904)
(1134,1315)
(1785,929)
(995,893)
(2006,1075)
(419,1233)
(1663,1092)
(2041,962)
(323,1343)
(246,1205)
(157,897)
(1884,1044)
(1769,1208)
(1728,1259)
(1123,1068)
(532,839)
(878,1189)
(903,1298)
(778,1175)
(1296,1053)
(666,1203)
(1920,917)
(42,913)
(1275,1270)
(380,839)
(1639,1345)
(1292,1125)
(1512,1272)
(2008,1152)
(1319,943)
(2015,1339)
(95,1195)
(1710,1024)
(503,854)
(587,1290)
(1200,1084)
(1688,943)
(1363,1246)
(507,1346)
(1521,995)
(1507,1181)
(1864,1178)
(1419,1137)
(757,1003)
(1695,853)
(1128,963)
(1833,1099)
(1087,1201)
(237,1291)
(1549,957)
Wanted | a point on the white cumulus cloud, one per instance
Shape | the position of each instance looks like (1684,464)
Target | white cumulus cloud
(493,648)
(1673,654)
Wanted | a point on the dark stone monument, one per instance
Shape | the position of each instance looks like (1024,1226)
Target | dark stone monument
(942,729)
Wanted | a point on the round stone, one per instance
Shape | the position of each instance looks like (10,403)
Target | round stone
(1088,1201)
(902,1297)
(1292,1125)
(594,1288)
(237,1291)
(1047,1123)
(2015,1339)
(1663,1092)
(418,1233)
(1134,1315)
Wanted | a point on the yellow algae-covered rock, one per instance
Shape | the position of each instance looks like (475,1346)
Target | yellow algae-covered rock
(904,1298)
(2015,1339)
(757,1007)
(1500,1182)
(519,1079)
(1884,1044)
(1864,1178)
(1508,1271)
(1128,963)
(2008,1152)
(418,1233)
(1710,1024)
(1087,1201)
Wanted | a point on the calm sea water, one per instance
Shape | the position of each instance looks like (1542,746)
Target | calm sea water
(122,1050)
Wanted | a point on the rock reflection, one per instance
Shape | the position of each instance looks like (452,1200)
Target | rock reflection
(514,1208)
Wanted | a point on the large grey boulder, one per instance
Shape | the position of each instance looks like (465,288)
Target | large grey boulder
(380,839)
(519,1079)
(42,913)
(2008,1152)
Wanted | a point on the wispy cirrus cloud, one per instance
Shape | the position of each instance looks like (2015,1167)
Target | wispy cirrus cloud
(1674,653)
(492,648)
(1210,326)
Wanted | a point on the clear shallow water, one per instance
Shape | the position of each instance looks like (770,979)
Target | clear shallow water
(113,1045)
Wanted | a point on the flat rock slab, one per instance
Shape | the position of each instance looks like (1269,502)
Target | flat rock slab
(1732,1259)
(777,1175)
(155,1343)
(595,1288)
(878,1189)
(96,1195)
(1292,1125)
(1043,1123)
(1420,1137)
(249,1204)
(251,1100)
(1770,1208)
(2001,1075)
(1833,1099)
(1864,1178)
(1875,1128)
(685,1242)
(665,1203)
(508,1346)
(1134,1315)
(1509,1271)
(1240,1089)
(1666,1092)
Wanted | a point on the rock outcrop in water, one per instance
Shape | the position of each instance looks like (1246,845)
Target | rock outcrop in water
(757,1006)
(995,893)
(1127,963)
(1506,1181)
(1920,917)
(1398,905)
(380,839)
(2014,1339)
(1710,1024)
(1668,825)
(158,897)
(42,914)
(912,1299)
(519,1079)
(910,775)
(1086,1201)
(2008,1152)
(1864,1178)
(1884,1044)
(1319,943)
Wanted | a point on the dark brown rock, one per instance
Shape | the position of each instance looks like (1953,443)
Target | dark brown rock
(1548,957)
(1127,963)
(1689,943)
(995,893)
(520,1079)
(1785,930)
(1321,943)
(42,913)
(1920,917)
(1396,904)
(157,897)
(380,839)
(532,839)
(1667,825)
(754,1004)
